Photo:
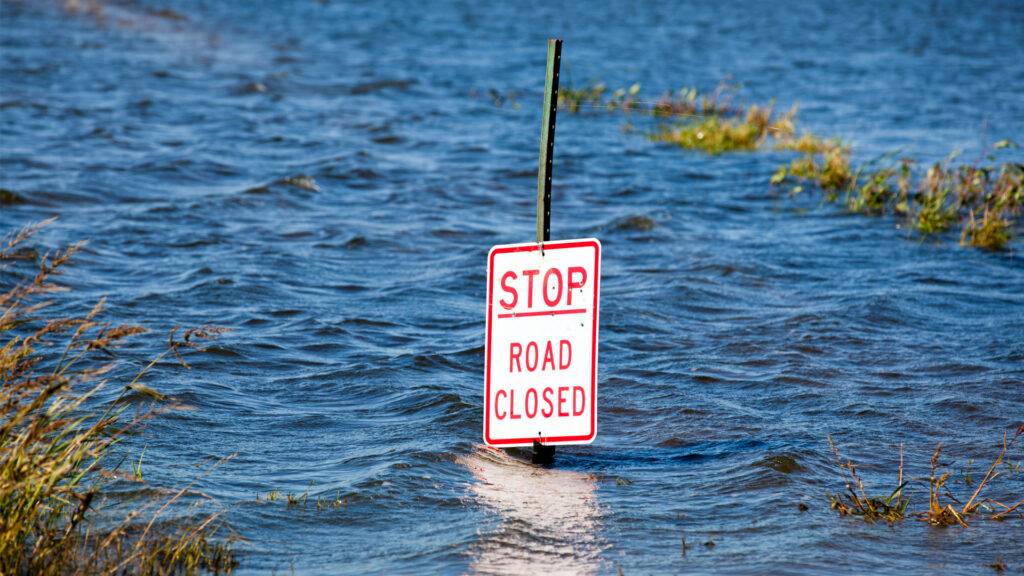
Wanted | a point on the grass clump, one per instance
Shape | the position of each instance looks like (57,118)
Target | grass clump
(716,134)
(295,500)
(992,231)
(945,515)
(985,201)
(825,163)
(325,503)
(944,509)
(713,122)
(299,499)
(856,502)
(57,440)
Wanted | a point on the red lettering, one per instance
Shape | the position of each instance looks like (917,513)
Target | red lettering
(561,400)
(578,391)
(564,354)
(497,414)
(514,352)
(549,357)
(575,285)
(511,290)
(558,275)
(531,366)
(529,293)
(512,406)
(546,395)
(529,413)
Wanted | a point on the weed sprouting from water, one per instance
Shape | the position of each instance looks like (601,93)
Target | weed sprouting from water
(299,499)
(942,508)
(856,502)
(944,515)
(295,500)
(58,517)
(137,466)
(323,503)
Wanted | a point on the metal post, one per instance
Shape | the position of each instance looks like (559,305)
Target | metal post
(547,142)
(546,454)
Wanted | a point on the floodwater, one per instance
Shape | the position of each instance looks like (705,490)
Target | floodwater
(326,179)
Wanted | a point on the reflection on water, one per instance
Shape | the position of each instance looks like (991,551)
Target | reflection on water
(549,517)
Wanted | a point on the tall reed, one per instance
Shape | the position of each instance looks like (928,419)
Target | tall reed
(57,439)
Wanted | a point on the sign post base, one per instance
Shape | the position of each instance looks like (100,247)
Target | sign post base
(543,454)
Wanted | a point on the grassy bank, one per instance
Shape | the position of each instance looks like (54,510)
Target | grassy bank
(64,500)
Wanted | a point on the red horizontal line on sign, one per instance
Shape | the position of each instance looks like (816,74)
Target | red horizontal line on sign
(543,313)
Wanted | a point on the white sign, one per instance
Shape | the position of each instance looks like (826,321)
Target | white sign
(541,351)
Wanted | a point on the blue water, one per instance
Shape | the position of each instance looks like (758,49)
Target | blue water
(739,327)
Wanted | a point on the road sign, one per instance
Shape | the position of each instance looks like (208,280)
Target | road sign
(540,378)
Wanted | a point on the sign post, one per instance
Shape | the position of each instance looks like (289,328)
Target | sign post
(547,141)
(542,323)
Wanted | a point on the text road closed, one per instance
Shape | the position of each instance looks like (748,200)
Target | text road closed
(541,349)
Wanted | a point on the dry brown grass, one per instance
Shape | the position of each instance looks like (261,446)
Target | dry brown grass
(856,502)
(944,508)
(57,439)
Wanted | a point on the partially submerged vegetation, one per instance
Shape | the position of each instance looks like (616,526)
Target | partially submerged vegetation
(984,200)
(322,502)
(716,134)
(713,122)
(944,509)
(686,102)
(64,508)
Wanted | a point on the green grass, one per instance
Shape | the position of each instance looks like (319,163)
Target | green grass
(717,134)
(712,123)
(984,200)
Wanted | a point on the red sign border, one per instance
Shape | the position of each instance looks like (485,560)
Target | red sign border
(550,440)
